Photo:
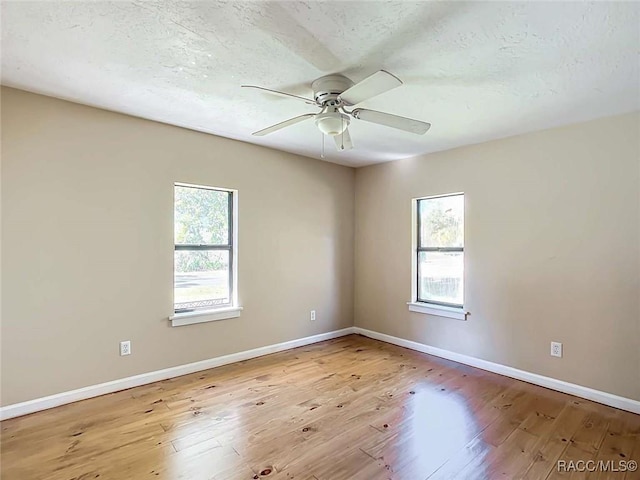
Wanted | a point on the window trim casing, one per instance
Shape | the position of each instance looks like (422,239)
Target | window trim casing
(442,309)
(228,310)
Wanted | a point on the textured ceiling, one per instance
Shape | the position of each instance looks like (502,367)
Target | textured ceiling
(476,71)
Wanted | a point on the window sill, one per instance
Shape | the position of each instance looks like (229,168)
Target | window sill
(189,318)
(438,310)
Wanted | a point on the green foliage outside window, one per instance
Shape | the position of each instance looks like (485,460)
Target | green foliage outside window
(201,218)
(442,222)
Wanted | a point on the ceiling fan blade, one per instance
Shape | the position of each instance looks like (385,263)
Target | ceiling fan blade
(343,141)
(394,121)
(373,85)
(281,125)
(282,94)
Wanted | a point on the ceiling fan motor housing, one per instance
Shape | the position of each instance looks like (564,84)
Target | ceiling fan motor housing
(326,90)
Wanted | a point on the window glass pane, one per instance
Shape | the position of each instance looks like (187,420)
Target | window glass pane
(201,216)
(440,277)
(442,221)
(201,279)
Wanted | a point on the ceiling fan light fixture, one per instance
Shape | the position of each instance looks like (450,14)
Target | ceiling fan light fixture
(332,123)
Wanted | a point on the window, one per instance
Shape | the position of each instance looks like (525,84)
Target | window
(439,252)
(205,253)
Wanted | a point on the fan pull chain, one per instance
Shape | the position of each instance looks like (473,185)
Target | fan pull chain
(322,151)
(343,127)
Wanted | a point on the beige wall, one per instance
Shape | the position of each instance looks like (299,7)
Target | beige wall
(552,251)
(87,252)
(552,247)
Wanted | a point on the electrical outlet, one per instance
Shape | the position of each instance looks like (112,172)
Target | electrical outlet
(313,315)
(125,348)
(556,349)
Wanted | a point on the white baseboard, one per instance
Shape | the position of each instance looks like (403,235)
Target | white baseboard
(31,406)
(44,403)
(571,388)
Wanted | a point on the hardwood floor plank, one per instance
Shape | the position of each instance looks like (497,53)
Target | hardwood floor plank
(617,445)
(553,442)
(634,474)
(470,458)
(510,459)
(591,433)
(348,408)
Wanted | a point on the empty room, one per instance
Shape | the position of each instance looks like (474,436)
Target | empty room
(320,240)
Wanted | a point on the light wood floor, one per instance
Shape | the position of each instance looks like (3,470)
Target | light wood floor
(350,408)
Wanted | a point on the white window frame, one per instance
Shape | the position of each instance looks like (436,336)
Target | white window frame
(227,311)
(414,305)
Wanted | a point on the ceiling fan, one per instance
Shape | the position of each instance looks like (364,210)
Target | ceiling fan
(333,94)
